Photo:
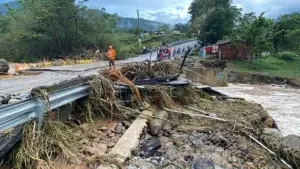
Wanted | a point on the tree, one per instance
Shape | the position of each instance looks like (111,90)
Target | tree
(183,28)
(212,20)
(285,26)
(53,28)
(165,28)
(255,33)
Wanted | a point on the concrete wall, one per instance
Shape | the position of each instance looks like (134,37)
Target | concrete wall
(207,76)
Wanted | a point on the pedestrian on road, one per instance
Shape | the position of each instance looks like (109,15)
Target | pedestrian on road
(111,55)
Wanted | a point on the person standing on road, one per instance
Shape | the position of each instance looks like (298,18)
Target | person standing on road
(111,55)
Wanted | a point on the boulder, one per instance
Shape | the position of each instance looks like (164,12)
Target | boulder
(150,147)
(119,128)
(270,123)
(201,163)
(172,154)
(291,141)
(156,125)
(273,132)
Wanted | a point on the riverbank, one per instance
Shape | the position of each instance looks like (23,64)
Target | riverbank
(266,70)
(174,127)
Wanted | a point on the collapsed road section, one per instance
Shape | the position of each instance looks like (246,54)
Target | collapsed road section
(158,125)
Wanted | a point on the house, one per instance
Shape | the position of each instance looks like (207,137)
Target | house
(229,51)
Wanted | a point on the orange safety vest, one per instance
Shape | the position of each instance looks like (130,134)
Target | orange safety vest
(111,54)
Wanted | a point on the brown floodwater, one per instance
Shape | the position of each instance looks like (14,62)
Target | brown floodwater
(282,103)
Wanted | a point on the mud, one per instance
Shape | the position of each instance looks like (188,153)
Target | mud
(203,143)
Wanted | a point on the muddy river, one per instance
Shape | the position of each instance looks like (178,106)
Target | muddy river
(283,104)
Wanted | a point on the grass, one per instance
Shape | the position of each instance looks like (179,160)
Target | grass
(269,66)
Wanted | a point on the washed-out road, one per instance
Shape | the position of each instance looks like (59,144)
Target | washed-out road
(24,84)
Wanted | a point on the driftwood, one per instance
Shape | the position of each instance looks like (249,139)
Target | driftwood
(195,115)
(270,151)
(197,110)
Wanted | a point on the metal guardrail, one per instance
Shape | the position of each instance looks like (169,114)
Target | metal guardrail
(35,108)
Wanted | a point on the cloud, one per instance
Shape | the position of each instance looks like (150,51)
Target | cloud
(180,8)
(272,8)
(168,11)
(175,11)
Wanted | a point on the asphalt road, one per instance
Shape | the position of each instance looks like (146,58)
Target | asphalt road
(24,84)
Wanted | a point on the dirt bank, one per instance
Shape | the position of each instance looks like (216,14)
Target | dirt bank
(186,128)
(253,78)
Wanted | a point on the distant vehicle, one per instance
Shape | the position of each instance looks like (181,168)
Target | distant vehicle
(159,33)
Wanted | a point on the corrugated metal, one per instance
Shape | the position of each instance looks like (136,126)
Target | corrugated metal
(232,52)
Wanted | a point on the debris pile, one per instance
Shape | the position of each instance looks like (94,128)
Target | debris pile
(187,128)
(145,70)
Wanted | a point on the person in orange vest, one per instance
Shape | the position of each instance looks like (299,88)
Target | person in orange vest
(111,55)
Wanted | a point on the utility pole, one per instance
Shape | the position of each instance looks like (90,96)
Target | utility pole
(138,25)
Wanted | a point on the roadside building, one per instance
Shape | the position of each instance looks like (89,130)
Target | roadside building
(230,51)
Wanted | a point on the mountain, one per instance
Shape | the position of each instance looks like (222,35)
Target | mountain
(12,4)
(124,23)
(130,23)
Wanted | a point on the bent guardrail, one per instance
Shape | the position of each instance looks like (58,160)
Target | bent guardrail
(35,108)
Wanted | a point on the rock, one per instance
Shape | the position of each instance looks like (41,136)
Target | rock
(126,124)
(108,166)
(164,140)
(196,142)
(167,127)
(219,140)
(273,132)
(97,140)
(103,128)
(13,101)
(111,144)
(111,135)
(156,125)
(166,133)
(75,161)
(149,147)
(291,141)
(201,163)
(170,167)
(145,165)
(155,162)
(181,138)
(84,141)
(132,167)
(270,123)
(97,149)
(118,129)
(232,159)
(111,125)
(123,129)
(172,154)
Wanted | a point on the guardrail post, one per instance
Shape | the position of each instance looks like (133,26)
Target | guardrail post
(40,112)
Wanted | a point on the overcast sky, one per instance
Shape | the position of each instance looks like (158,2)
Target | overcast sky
(174,11)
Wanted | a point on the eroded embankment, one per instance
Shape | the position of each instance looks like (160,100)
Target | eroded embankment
(187,128)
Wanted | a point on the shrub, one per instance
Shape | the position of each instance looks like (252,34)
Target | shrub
(287,56)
